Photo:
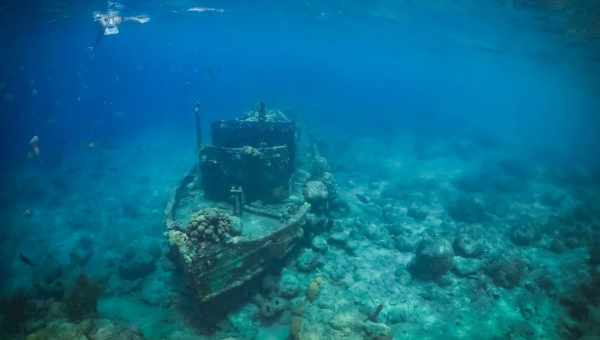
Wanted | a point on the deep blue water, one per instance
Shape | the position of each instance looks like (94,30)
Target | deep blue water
(512,73)
(476,85)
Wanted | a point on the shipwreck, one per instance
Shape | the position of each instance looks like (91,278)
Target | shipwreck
(246,204)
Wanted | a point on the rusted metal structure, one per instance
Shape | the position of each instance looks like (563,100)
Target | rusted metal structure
(231,217)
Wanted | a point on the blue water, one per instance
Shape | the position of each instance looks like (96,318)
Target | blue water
(392,89)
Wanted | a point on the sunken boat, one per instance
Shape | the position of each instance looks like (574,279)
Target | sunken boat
(247,203)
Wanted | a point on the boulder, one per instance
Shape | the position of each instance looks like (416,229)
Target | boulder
(433,259)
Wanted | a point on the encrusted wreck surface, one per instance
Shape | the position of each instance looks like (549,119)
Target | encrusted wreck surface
(256,152)
(220,251)
(262,172)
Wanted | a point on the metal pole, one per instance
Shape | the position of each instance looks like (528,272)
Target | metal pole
(237,195)
(262,111)
(198,118)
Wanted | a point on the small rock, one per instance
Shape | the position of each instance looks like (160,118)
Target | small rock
(317,223)
(271,308)
(273,333)
(296,328)
(58,330)
(416,214)
(466,267)
(404,245)
(352,247)
(289,285)
(339,239)
(506,272)
(314,289)
(338,270)
(403,276)
(557,246)
(297,306)
(397,314)
(319,243)
(524,235)
(375,233)
(377,331)
(344,321)
(398,229)
(467,245)
(434,258)
(308,261)
(108,330)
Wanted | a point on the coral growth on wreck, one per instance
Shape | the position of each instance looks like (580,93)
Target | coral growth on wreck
(212,226)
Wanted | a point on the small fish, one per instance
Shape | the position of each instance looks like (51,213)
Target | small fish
(26,260)
(364,199)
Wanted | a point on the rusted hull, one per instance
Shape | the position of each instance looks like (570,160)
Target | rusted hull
(232,264)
